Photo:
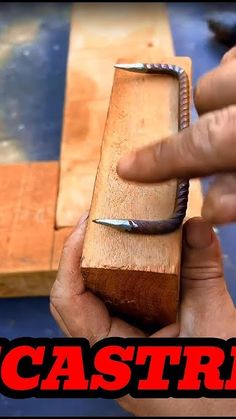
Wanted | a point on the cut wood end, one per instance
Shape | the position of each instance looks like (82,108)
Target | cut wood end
(146,299)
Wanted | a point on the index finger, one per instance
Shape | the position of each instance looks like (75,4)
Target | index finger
(205,148)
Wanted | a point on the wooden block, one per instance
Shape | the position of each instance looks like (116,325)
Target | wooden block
(136,275)
(100,34)
(27,215)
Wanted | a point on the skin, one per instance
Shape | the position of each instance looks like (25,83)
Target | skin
(206,308)
(205,148)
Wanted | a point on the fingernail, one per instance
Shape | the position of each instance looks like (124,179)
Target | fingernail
(125,163)
(198,233)
(83,218)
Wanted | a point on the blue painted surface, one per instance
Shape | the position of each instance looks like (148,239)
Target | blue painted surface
(33,54)
(32,76)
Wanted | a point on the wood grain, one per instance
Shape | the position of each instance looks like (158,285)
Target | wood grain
(136,275)
(103,25)
(30,247)
(27,216)
(26,284)
(100,34)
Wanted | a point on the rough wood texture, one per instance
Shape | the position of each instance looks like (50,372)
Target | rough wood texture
(100,34)
(138,276)
(27,215)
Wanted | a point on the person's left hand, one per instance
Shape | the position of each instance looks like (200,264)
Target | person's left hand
(206,309)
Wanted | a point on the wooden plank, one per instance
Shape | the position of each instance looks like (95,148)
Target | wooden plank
(102,25)
(138,276)
(100,34)
(26,284)
(27,216)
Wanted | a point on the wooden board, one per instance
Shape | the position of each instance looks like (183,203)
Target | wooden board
(26,284)
(101,33)
(101,25)
(30,246)
(136,275)
(27,216)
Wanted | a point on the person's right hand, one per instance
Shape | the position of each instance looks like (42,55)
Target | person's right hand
(205,148)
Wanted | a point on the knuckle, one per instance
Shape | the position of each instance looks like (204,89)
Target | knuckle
(213,134)
(229,55)
(201,274)
(159,151)
(211,137)
(220,126)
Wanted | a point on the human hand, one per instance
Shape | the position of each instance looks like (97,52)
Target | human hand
(206,309)
(205,148)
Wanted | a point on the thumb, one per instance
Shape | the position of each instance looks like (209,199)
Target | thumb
(206,306)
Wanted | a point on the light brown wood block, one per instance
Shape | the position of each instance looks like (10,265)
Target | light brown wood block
(27,216)
(100,34)
(136,275)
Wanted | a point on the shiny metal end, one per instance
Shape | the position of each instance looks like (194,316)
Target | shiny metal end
(136,67)
(122,225)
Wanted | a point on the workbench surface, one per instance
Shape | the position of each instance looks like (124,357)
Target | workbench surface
(33,51)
